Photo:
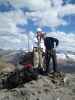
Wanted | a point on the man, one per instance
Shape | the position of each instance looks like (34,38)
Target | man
(38,50)
(50,44)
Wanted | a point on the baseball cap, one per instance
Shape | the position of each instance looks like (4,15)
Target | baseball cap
(39,29)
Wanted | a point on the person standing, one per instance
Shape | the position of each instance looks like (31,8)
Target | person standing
(50,44)
(38,50)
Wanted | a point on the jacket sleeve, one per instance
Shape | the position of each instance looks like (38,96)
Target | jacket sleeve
(57,41)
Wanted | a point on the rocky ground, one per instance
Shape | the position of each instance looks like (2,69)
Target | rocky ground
(42,89)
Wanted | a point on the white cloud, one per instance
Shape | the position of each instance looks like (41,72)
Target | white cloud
(10,36)
(43,13)
(52,17)
(31,4)
(9,20)
(36,4)
(57,3)
(13,41)
(68,9)
(46,18)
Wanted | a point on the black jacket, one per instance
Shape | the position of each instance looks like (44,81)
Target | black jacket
(50,41)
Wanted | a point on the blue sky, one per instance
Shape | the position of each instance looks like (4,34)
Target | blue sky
(18,18)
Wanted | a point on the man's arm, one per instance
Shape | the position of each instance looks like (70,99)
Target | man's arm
(57,41)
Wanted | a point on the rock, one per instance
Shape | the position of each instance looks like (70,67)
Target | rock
(66,81)
(42,89)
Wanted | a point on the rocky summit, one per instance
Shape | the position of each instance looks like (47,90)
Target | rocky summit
(42,89)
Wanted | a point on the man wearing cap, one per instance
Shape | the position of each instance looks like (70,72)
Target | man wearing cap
(50,44)
(39,48)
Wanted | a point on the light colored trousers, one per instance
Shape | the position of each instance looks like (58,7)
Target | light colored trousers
(38,58)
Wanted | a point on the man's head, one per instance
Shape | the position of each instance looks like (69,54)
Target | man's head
(40,33)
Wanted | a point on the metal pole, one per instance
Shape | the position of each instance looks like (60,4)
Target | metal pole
(28,42)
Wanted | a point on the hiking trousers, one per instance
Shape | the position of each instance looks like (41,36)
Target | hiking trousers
(37,58)
(51,54)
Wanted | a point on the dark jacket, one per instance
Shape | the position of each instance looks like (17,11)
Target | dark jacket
(49,42)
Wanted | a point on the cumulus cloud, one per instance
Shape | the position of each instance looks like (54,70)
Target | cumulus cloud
(9,20)
(13,41)
(36,4)
(68,9)
(10,34)
(31,4)
(47,10)
(45,18)
(52,17)
(42,13)
(57,3)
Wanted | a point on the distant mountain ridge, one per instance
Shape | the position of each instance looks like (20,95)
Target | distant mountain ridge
(14,56)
